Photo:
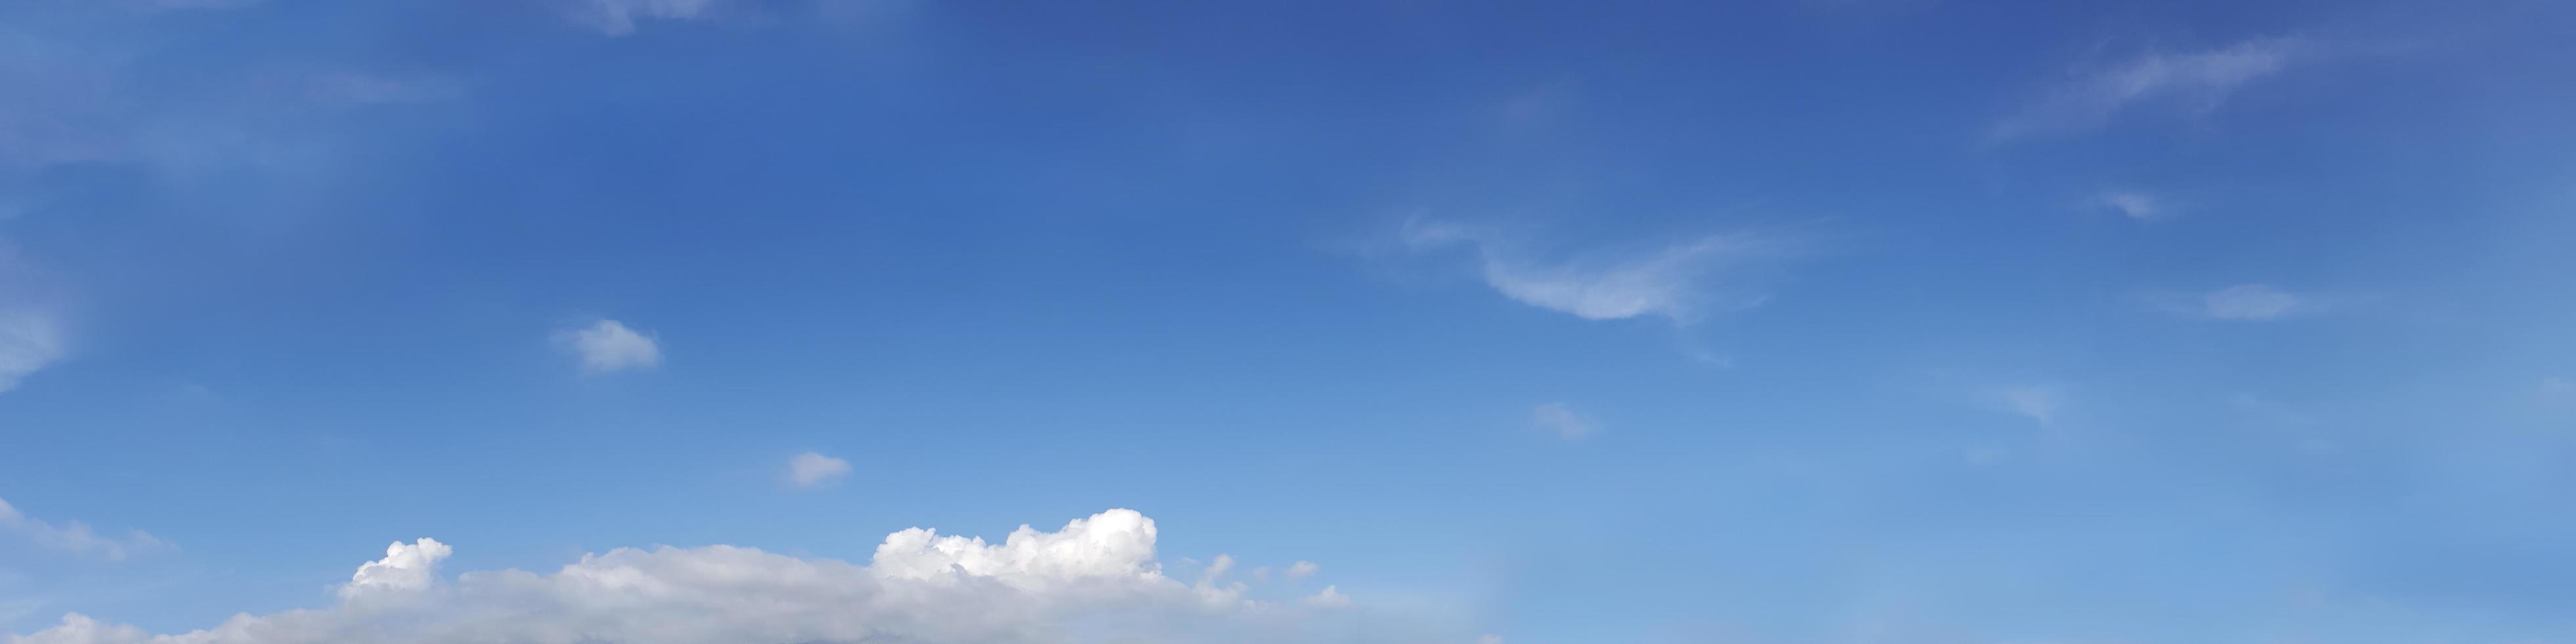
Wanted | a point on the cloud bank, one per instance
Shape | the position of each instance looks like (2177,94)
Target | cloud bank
(1094,580)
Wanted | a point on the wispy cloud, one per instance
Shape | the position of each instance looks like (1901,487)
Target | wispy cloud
(1677,281)
(607,345)
(1559,419)
(2042,403)
(29,341)
(2241,303)
(77,538)
(2134,204)
(2554,390)
(2193,81)
(618,17)
(812,469)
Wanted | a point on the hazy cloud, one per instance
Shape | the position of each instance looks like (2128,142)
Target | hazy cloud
(75,537)
(2192,81)
(29,341)
(1561,420)
(812,469)
(2243,303)
(618,17)
(2133,204)
(1678,281)
(2041,403)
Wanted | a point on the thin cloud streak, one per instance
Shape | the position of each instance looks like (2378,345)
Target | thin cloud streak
(1680,282)
(2199,81)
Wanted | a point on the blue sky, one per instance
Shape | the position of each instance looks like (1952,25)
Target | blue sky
(1786,321)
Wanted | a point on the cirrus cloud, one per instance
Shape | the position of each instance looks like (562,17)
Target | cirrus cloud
(2198,80)
(1680,281)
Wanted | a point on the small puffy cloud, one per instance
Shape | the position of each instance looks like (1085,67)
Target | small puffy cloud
(29,341)
(75,537)
(607,345)
(618,17)
(1679,282)
(1330,597)
(1562,421)
(405,567)
(1094,580)
(812,469)
(2195,81)
(1302,569)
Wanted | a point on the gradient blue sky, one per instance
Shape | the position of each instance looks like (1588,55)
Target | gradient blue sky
(1856,321)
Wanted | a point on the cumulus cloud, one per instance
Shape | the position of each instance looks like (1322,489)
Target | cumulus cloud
(1559,419)
(618,17)
(813,469)
(607,345)
(1302,569)
(405,567)
(1094,580)
(75,537)
(29,341)
(2196,81)
(1679,282)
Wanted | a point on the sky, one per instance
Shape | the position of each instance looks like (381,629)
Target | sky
(839,321)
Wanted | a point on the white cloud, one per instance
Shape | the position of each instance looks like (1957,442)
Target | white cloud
(1302,569)
(618,17)
(1560,419)
(77,538)
(2134,204)
(1678,282)
(2245,302)
(29,341)
(1094,580)
(1330,597)
(2198,81)
(2041,403)
(813,469)
(608,345)
(405,567)
(2555,390)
